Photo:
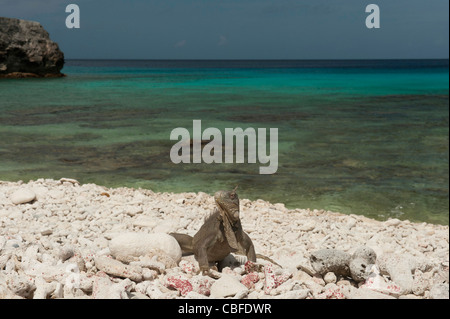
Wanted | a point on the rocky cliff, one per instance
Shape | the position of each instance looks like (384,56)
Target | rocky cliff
(27,51)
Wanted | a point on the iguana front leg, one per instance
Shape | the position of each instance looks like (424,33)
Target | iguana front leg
(247,246)
(201,253)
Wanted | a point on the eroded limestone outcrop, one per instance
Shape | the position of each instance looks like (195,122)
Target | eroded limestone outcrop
(27,51)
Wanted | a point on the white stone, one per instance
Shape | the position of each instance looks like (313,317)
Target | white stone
(116,268)
(364,293)
(127,245)
(227,286)
(69,180)
(330,278)
(399,268)
(143,221)
(439,291)
(393,222)
(294,294)
(307,226)
(22,196)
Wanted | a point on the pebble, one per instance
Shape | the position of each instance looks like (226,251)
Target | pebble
(329,278)
(87,241)
(399,269)
(23,196)
(439,291)
(117,269)
(364,293)
(128,245)
(227,286)
(331,260)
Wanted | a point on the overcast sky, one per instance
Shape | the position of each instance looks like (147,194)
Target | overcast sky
(242,29)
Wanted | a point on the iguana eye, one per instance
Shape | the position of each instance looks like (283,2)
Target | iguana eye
(232,196)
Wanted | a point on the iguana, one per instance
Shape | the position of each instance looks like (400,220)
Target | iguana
(220,235)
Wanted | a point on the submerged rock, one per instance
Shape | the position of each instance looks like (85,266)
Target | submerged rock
(27,51)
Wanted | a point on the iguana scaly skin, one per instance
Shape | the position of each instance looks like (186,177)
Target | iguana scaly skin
(220,235)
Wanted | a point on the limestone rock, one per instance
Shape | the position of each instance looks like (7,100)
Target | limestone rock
(330,278)
(226,286)
(128,245)
(331,260)
(23,196)
(399,268)
(116,268)
(364,293)
(365,253)
(439,291)
(27,51)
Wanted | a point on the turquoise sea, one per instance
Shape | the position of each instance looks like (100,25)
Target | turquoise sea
(358,137)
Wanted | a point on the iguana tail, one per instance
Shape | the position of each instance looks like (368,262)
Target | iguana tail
(185,242)
(268,259)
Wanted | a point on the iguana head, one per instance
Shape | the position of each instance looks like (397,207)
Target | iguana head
(229,203)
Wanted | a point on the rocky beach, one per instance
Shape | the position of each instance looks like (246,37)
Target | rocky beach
(64,239)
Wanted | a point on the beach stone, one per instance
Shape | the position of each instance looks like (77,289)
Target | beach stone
(150,263)
(313,286)
(66,252)
(126,246)
(133,210)
(289,257)
(441,273)
(144,221)
(330,277)
(188,267)
(378,283)
(20,285)
(250,279)
(226,286)
(294,294)
(399,268)
(104,288)
(69,180)
(439,291)
(301,276)
(43,289)
(5,293)
(22,196)
(156,291)
(180,283)
(393,222)
(330,260)
(366,253)
(46,231)
(364,293)
(359,269)
(421,282)
(195,295)
(116,268)
(101,286)
(202,284)
(309,226)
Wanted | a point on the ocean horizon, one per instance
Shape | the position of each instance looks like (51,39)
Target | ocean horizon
(366,137)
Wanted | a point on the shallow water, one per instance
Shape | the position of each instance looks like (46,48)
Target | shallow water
(362,137)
